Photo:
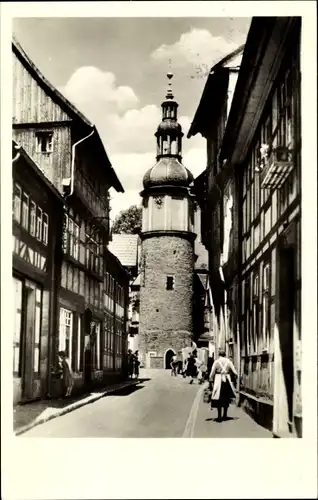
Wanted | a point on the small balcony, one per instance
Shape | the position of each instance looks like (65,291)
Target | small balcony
(276,167)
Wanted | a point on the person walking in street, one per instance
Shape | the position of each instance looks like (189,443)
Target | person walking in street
(173,365)
(136,364)
(222,387)
(191,367)
(68,378)
(130,363)
(202,372)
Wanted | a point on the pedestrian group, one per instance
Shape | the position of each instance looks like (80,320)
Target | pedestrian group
(133,364)
(220,375)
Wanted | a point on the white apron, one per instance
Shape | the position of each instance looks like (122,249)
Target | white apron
(219,378)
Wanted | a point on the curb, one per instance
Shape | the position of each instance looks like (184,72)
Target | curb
(73,406)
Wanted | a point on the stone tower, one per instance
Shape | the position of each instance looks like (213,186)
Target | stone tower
(167,254)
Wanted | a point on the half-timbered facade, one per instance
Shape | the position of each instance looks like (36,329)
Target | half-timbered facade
(216,192)
(259,189)
(72,156)
(37,223)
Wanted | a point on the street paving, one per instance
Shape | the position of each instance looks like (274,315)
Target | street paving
(161,406)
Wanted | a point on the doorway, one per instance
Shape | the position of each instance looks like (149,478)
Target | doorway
(168,357)
(286,277)
(27,334)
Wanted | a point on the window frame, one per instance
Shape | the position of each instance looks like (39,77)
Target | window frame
(66,320)
(45,228)
(39,223)
(170,282)
(47,136)
(25,211)
(17,202)
(33,216)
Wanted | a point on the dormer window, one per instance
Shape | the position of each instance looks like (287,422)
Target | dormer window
(44,142)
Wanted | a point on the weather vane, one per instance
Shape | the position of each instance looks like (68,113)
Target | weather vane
(170,76)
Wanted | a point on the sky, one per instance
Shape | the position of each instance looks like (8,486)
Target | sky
(114,71)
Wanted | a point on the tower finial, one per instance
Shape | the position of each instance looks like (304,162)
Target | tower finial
(169,76)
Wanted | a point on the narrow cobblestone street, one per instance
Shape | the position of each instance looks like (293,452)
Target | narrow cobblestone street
(160,406)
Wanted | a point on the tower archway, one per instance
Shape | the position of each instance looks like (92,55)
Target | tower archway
(168,357)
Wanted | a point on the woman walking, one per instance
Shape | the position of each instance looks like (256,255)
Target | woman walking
(130,363)
(222,387)
(136,364)
(191,367)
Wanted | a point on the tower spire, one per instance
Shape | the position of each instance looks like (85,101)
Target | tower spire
(169,76)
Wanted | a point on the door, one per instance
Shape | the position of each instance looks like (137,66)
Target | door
(32,308)
(286,315)
(169,354)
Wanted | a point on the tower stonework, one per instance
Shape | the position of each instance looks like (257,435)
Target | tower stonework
(167,252)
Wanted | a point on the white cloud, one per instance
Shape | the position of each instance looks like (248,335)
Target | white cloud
(197,46)
(113,109)
(195,160)
(134,131)
(89,85)
(127,132)
(131,167)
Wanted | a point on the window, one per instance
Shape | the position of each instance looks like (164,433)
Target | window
(17,311)
(17,203)
(255,317)
(79,337)
(170,283)
(252,201)
(39,224)
(257,194)
(267,221)
(96,346)
(71,237)
(256,236)
(37,332)
(266,306)
(32,218)
(66,332)
(44,142)
(243,296)
(244,216)
(76,280)
(25,211)
(82,281)
(274,111)
(256,287)
(93,252)
(70,277)
(45,228)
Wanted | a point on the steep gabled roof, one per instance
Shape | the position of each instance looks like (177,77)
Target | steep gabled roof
(268,40)
(66,105)
(214,89)
(125,247)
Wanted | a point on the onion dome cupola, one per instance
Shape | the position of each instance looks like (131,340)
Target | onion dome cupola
(168,170)
(167,183)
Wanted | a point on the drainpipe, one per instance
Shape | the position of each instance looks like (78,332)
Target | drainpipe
(73,162)
(53,274)
(17,156)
